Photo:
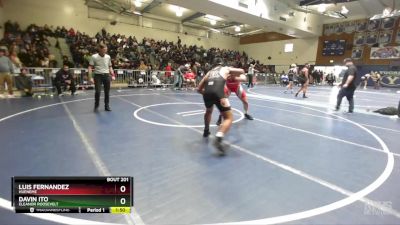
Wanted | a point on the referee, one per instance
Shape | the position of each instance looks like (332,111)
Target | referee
(103,72)
(348,85)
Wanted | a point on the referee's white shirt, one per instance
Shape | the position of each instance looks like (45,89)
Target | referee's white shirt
(100,64)
(251,70)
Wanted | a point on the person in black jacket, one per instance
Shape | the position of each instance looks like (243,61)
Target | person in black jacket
(23,82)
(64,79)
(348,85)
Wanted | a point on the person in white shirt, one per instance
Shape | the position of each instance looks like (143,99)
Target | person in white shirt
(103,73)
(250,74)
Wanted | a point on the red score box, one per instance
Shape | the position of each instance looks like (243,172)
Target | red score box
(109,189)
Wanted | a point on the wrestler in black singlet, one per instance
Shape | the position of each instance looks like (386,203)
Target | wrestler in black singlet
(214,90)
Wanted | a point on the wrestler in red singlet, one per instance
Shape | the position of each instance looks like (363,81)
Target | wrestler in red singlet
(234,85)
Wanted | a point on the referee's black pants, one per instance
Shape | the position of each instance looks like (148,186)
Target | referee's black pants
(250,80)
(348,93)
(102,79)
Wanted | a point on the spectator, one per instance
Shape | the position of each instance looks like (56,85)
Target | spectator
(207,67)
(64,79)
(320,77)
(179,41)
(44,62)
(8,27)
(24,83)
(330,79)
(179,75)
(194,68)
(200,72)
(6,69)
(313,77)
(190,78)
(15,60)
(71,32)
(67,62)
(142,66)
(52,61)
(284,79)
(168,74)
(27,38)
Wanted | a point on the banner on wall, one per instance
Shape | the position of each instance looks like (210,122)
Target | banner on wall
(374,25)
(388,23)
(361,26)
(357,52)
(372,38)
(350,27)
(390,76)
(391,52)
(385,37)
(359,39)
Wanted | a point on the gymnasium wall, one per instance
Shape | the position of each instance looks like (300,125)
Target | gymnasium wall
(304,50)
(74,13)
(350,32)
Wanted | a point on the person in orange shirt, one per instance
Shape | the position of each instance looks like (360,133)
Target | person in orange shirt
(142,66)
(168,74)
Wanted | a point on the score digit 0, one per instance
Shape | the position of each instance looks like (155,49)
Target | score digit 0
(122,189)
(123,201)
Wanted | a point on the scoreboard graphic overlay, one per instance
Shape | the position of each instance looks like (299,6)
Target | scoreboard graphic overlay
(72,194)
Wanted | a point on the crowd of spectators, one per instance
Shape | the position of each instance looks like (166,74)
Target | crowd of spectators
(130,53)
(29,48)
